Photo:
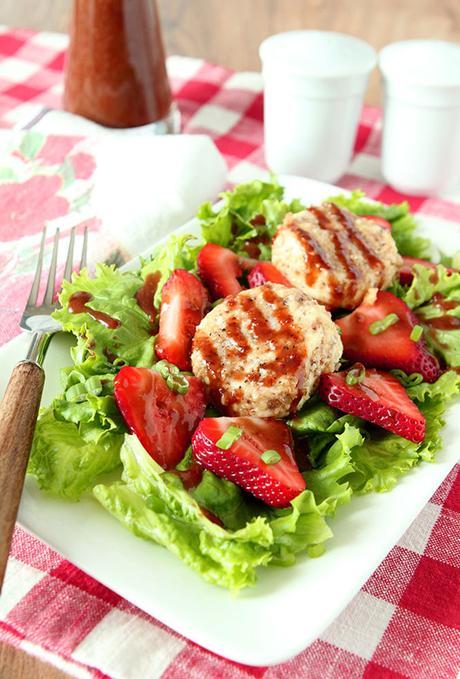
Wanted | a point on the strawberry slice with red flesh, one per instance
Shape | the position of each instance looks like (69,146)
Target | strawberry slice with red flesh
(184,301)
(275,481)
(163,420)
(392,348)
(266,272)
(378,220)
(406,274)
(219,269)
(379,398)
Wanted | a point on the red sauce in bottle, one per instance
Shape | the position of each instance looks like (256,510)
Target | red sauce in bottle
(78,304)
(115,72)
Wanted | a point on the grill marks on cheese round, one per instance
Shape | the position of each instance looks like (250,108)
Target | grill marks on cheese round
(246,327)
(239,344)
(344,239)
(317,257)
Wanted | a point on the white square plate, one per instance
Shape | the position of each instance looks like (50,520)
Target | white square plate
(288,608)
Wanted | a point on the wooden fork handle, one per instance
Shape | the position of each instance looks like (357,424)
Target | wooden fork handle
(18,415)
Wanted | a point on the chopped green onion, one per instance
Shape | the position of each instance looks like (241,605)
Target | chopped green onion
(339,330)
(186,461)
(76,393)
(270,457)
(163,368)
(407,380)
(181,386)
(227,439)
(217,302)
(174,379)
(356,374)
(377,327)
(417,332)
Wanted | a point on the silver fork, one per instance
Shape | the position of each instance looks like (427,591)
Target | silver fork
(19,407)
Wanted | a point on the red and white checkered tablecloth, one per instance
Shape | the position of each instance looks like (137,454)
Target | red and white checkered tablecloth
(405,622)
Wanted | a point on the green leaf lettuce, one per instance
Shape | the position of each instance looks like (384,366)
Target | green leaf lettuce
(67,459)
(154,505)
(445,342)
(114,293)
(234,223)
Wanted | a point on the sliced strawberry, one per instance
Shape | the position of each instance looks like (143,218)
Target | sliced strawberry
(391,348)
(163,420)
(378,220)
(183,304)
(219,269)
(406,274)
(266,272)
(379,398)
(275,483)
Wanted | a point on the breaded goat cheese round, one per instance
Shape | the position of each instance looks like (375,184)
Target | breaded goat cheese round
(335,256)
(262,351)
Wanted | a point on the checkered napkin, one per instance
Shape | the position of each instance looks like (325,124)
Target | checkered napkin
(405,622)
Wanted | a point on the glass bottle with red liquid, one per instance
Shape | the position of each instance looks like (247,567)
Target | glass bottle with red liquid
(115,71)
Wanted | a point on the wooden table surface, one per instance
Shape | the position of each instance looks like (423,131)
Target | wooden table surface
(229,33)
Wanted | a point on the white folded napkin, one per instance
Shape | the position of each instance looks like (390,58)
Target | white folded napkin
(136,186)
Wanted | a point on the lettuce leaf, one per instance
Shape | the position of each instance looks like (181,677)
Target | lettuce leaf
(329,482)
(179,252)
(432,399)
(403,225)
(302,526)
(380,461)
(299,528)
(427,282)
(320,423)
(113,292)
(232,224)
(225,500)
(418,296)
(68,458)
(154,505)
(384,458)
(78,437)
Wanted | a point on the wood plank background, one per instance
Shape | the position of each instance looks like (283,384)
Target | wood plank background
(229,33)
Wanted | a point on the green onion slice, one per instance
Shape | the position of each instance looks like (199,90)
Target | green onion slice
(417,332)
(175,380)
(270,457)
(229,437)
(356,374)
(379,326)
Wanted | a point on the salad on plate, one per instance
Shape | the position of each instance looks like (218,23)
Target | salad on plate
(229,395)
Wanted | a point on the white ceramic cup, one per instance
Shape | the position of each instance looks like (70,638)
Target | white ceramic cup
(421,132)
(314,83)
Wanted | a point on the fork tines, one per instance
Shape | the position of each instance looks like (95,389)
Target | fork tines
(51,282)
